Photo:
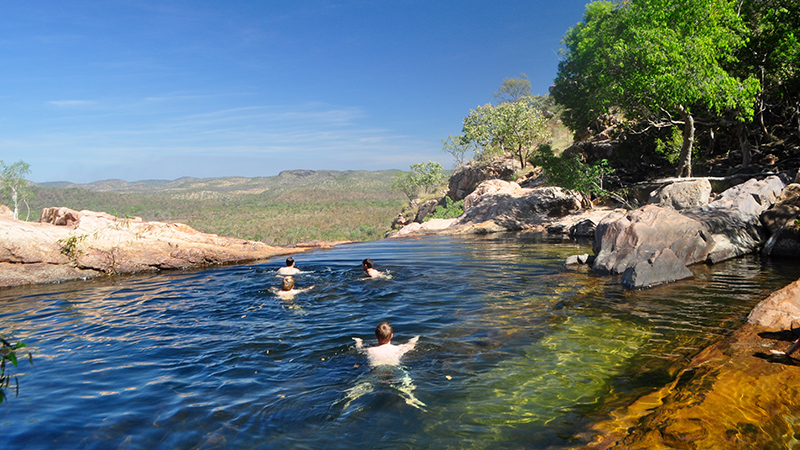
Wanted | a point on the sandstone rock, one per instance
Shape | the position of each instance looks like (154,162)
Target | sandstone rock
(425,209)
(661,267)
(733,218)
(5,211)
(515,208)
(90,244)
(785,209)
(682,194)
(463,182)
(725,228)
(779,311)
(624,240)
(60,216)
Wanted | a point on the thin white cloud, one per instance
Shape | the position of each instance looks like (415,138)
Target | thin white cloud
(71,103)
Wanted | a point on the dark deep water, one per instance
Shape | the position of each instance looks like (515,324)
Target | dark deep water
(515,351)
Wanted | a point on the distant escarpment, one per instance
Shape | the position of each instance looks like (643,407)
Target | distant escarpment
(72,245)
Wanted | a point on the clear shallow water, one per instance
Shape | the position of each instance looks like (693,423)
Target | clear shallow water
(516,351)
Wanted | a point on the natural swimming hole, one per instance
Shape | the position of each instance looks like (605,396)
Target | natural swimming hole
(515,350)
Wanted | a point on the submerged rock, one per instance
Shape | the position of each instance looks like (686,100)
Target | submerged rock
(733,394)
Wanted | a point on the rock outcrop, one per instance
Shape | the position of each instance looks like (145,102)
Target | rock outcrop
(70,245)
(654,245)
(464,181)
(782,222)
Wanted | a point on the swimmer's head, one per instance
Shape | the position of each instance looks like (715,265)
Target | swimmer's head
(289,261)
(384,333)
(287,284)
(367,263)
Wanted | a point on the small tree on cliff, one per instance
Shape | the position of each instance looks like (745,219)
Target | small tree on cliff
(424,177)
(13,184)
(513,129)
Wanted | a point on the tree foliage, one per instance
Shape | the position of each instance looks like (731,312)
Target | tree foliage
(423,177)
(513,129)
(571,173)
(12,183)
(658,60)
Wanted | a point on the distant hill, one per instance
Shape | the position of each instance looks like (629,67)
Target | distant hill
(291,207)
(285,179)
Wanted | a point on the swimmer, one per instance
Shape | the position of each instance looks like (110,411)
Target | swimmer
(369,268)
(386,353)
(288,291)
(289,268)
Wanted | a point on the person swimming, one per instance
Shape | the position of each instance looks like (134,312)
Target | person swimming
(288,291)
(386,353)
(385,360)
(289,268)
(369,268)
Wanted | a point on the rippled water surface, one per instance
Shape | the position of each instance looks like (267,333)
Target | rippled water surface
(515,351)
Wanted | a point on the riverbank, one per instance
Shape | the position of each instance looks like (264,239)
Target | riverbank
(80,245)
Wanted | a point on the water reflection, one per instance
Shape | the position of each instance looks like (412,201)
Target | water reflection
(515,352)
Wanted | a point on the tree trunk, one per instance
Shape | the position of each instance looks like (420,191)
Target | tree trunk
(16,203)
(685,158)
(744,144)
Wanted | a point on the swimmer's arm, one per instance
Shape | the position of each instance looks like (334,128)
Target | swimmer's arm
(408,346)
(359,343)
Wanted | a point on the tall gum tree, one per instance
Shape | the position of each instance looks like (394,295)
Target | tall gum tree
(656,59)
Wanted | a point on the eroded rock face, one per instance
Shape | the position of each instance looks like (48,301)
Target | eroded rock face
(87,244)
(779,311)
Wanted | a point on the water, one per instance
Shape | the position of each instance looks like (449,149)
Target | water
(515,351)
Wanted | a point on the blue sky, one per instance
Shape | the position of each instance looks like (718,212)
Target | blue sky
(94,90)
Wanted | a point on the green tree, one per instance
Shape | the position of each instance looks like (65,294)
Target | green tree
(772,54)
(13,184)
(424,177)
(459,148)
(656,60)
(513,129)
(514,89)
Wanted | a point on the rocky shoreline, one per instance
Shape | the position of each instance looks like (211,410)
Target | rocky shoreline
(80,245)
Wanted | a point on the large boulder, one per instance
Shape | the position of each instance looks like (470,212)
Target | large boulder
(639,240)
(464,181)
(645,240)
(682,195)
(510,207)
(733,217)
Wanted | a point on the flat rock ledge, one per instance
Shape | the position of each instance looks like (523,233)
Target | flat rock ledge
(80,245)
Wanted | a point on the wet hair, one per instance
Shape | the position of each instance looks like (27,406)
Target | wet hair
(289,261)
(384,333)
(287,284)
(367,262)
